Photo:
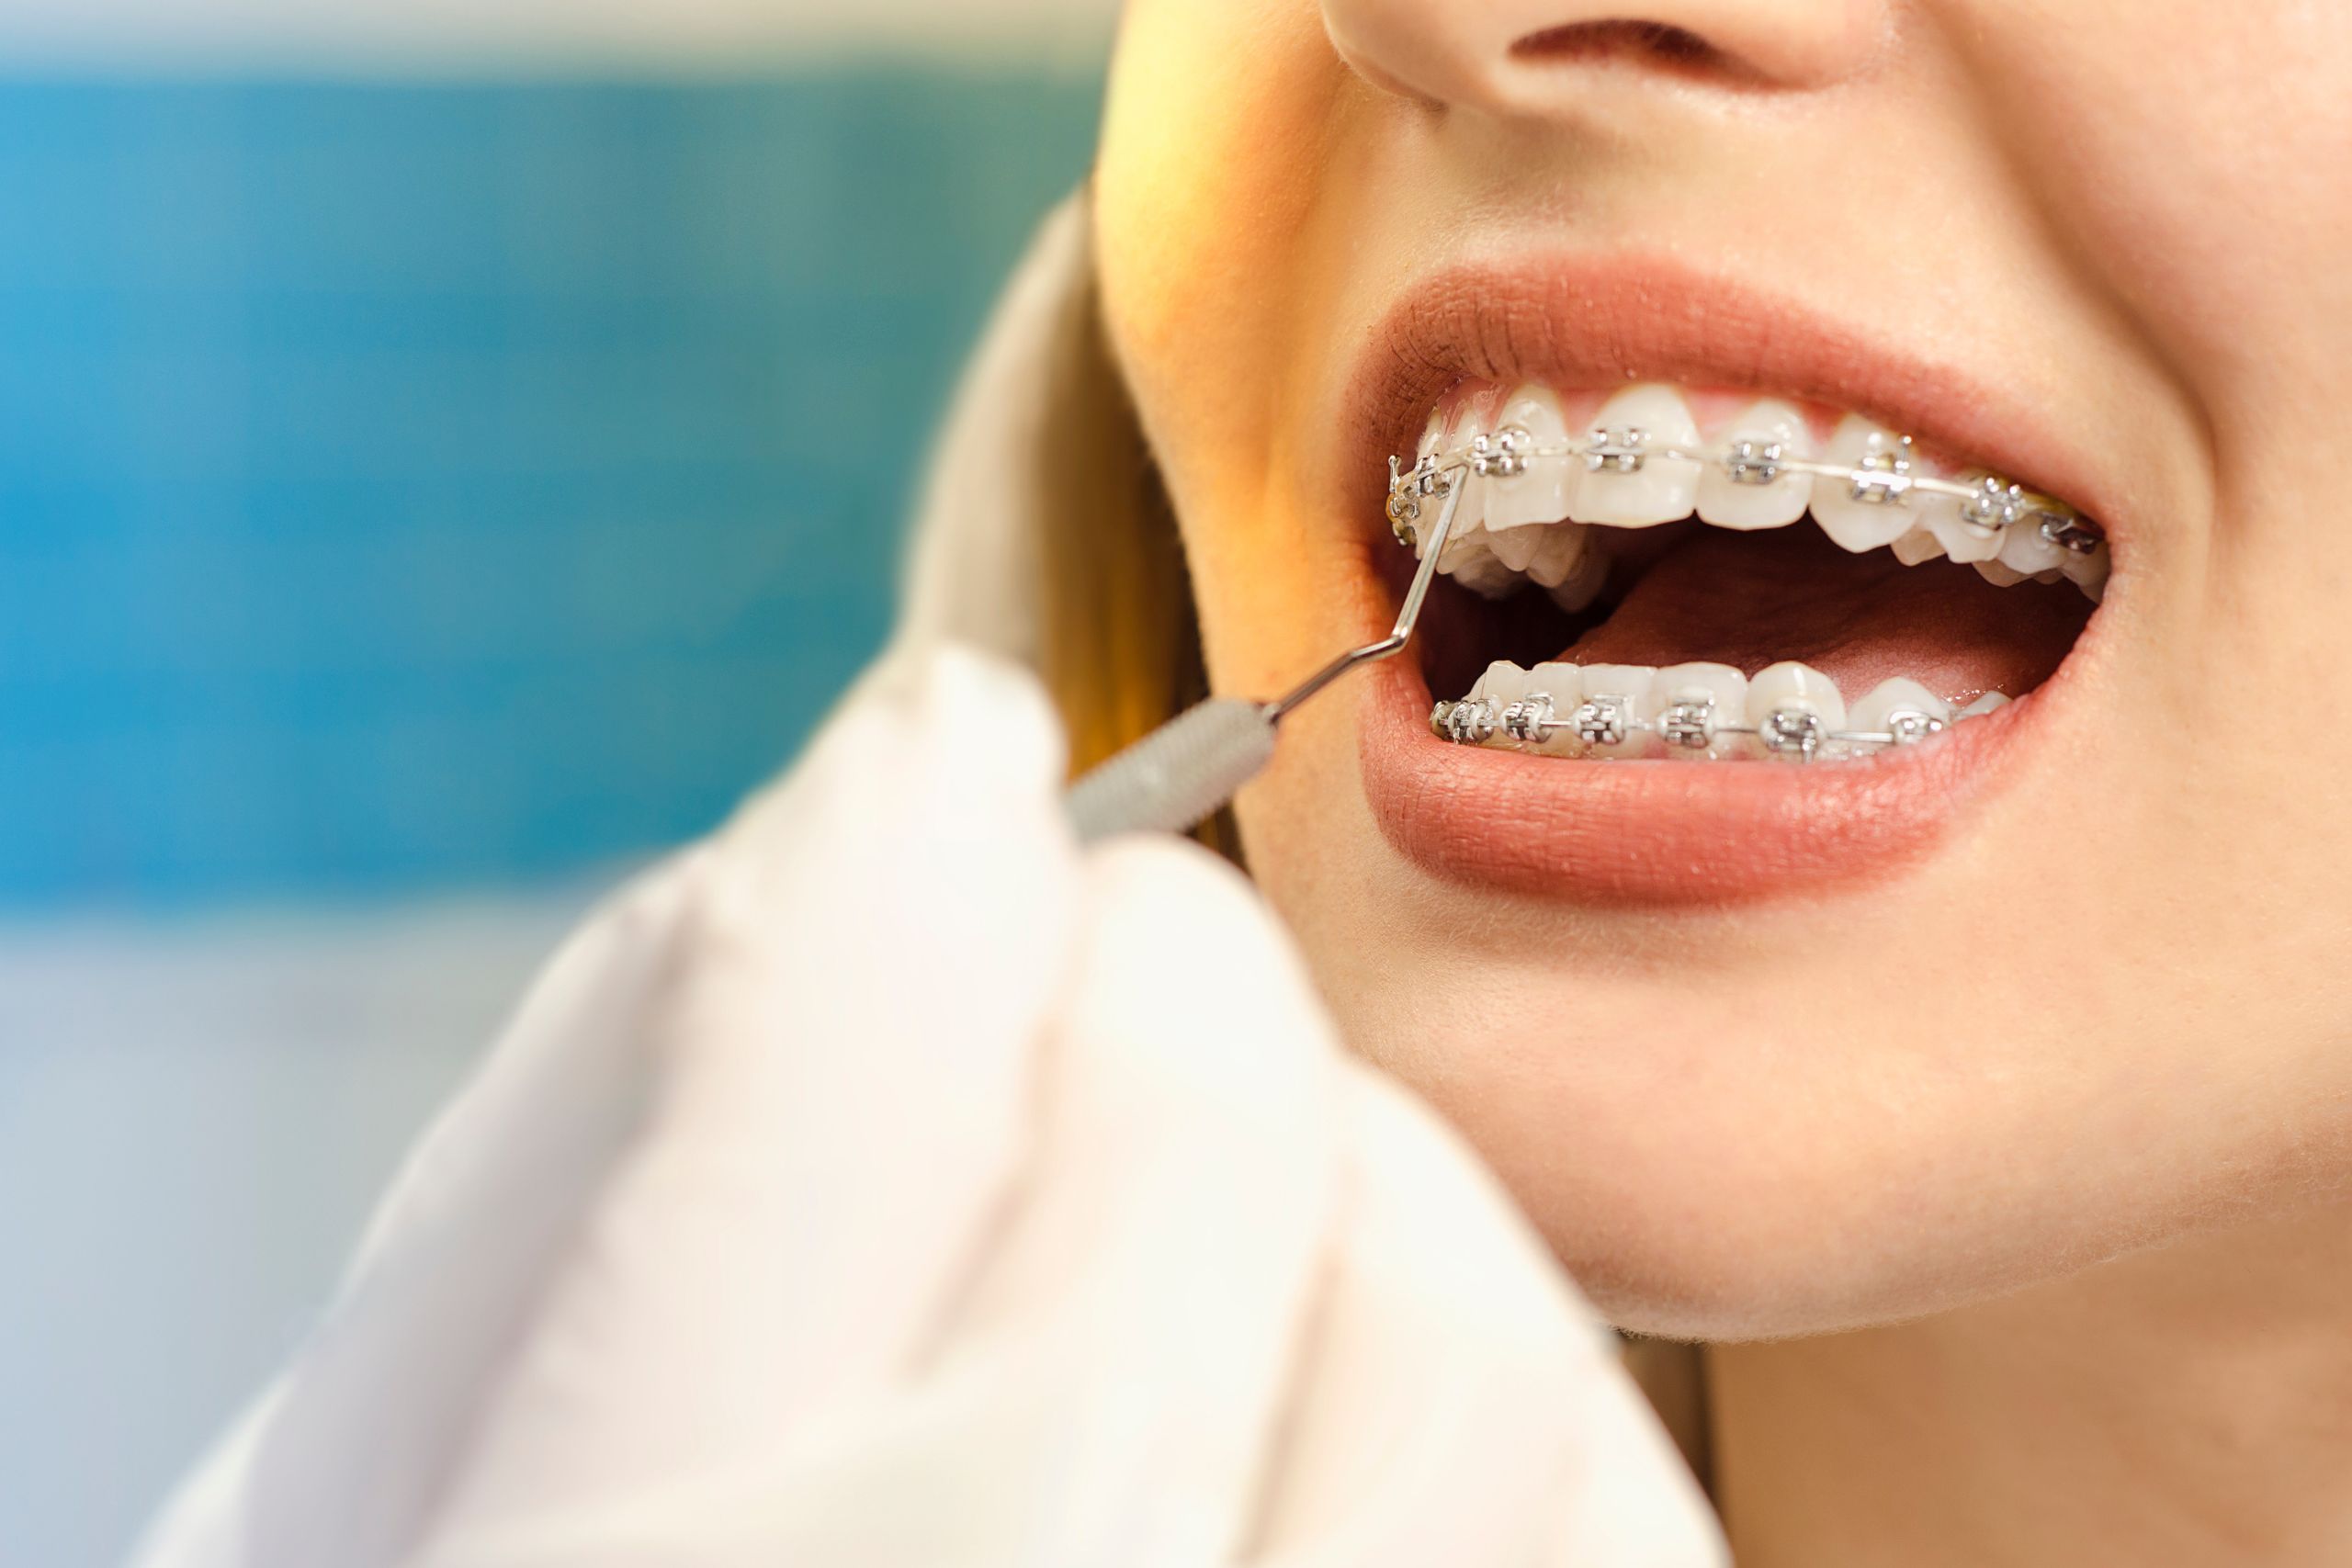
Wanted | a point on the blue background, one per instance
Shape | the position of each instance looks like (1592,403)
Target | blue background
(415,486)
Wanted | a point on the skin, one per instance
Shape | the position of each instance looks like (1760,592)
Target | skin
(2011,1187)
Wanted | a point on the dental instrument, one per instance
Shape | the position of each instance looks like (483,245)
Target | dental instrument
(1189,767)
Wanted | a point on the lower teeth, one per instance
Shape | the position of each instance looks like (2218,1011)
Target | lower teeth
(1674,720)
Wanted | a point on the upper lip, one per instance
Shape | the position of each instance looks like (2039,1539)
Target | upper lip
(1608,321)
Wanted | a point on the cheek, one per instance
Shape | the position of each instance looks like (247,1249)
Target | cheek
(1210,193)
(1209,169)
(2192,153)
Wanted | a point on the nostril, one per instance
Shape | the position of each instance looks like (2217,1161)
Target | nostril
(1653,43)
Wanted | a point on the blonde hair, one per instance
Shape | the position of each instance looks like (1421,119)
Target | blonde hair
(1045,533)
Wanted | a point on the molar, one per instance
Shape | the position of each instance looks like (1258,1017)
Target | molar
(1858,525)
(1637,490)
(1755,502)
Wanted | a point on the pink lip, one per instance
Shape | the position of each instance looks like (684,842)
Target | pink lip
(1671,833)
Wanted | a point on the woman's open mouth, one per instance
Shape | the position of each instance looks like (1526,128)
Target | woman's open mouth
(1696,644)
(1642,580)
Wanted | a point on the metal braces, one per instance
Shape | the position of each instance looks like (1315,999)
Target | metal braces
(1988,503)
(1689,723)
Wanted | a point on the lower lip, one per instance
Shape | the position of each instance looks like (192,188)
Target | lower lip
(1661,832)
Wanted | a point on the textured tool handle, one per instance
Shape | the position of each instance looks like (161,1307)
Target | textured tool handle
(1178,774)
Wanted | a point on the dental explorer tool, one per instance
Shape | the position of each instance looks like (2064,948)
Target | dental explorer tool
(1182,772)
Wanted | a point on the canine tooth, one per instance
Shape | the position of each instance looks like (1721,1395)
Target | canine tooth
(1688,702)
(2000,574)
(1637,486)
(1733,492)
(1946,518)
(1854,523)
(1503,684)
(1616,698)
(1560,551)
(1903,708)
(1916,546)
(1564,683)
(1539,493)
(1988,703)
(1432,436)
(1794,708)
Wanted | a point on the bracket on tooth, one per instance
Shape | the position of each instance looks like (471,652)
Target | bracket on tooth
(1754,462)
(1688,724)
(1793,731)
(1407,488)
(1604,720)
(1470,722)
(1884,477)
(2070,530)
(1530,721)
(1995,505)
(1908,726)
(1619,451)
(1503,455)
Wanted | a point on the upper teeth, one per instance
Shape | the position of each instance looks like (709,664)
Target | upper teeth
(1643,462)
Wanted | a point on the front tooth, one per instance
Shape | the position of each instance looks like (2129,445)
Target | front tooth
(1539,493)
(1728,502)
(1616,699)
(1690,701)
(1902,708)
(1794,709)
(1643,486)
(1432,436)
(1560,551)
(1855,524)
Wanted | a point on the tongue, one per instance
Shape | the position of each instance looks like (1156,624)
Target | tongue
(1751,600)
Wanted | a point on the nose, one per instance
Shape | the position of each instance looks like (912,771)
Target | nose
(1523,57)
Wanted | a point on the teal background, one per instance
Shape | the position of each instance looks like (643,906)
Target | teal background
(410,486)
